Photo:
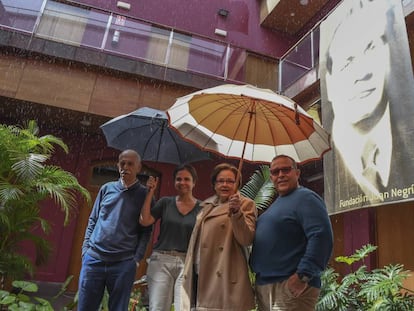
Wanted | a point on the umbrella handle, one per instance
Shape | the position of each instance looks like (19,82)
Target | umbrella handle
(234,196)
(236,184)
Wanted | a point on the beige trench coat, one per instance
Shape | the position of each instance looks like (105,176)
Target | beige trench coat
(223,280)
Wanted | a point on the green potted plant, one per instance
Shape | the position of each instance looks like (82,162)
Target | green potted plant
(26,180)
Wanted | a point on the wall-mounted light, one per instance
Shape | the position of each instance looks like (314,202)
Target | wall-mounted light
(123,5)
(220,32)
(223,12)
(304,2)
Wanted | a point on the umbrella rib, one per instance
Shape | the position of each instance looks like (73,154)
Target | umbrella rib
(138,130)
(180,157)
(298,123)
(124,131)
(251,112)
(157,128)
(295,123)
(162,129)
(268,121)
(220,114)
(243,113)
(206,117)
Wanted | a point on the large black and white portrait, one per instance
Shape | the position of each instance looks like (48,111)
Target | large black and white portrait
(367,105)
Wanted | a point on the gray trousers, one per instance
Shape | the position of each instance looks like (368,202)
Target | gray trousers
(164,277)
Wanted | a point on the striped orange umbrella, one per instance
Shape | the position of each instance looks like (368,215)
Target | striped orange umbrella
(248,123)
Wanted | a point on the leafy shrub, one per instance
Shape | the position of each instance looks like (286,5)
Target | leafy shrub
(21,297)
(378,289)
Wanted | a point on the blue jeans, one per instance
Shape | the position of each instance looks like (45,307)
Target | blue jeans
(118,277)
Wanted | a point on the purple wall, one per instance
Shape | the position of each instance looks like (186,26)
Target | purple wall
(200,17)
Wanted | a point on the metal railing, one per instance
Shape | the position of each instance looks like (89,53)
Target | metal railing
(121,35)
(299,61)
(137,39)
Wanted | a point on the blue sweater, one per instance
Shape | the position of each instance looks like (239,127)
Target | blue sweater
(293,235)
(114,232)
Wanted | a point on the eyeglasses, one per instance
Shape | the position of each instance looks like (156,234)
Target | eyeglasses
(284,170)
(225,181)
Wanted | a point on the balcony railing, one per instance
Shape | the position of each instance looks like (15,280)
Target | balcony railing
(125,36)
(299,65)
(117,34)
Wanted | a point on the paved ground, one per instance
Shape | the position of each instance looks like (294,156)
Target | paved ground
(48,290)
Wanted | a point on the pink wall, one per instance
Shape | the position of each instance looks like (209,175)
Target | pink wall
(200,17)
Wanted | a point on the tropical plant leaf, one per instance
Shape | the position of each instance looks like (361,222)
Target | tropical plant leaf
(29,167)
(260,188)
(26,181)
(378,289)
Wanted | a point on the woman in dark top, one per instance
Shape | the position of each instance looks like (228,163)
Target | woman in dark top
(178,215)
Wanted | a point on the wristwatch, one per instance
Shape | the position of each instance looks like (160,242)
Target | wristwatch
(305,278)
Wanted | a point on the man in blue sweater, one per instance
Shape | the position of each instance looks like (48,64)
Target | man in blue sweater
(114,240)
(292,245)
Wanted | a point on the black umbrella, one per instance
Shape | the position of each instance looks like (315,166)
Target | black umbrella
(146,131)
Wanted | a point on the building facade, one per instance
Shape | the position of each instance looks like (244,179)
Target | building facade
(73,65)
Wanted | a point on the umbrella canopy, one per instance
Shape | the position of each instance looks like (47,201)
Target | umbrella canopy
(248,123)
(146,131)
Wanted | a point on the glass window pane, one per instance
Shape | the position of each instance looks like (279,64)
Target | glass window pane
(72,25)
(180,51)
(261,72)
(134,38)
(236,64)
(158,45)
(19,14)
(207,56)
(297,63)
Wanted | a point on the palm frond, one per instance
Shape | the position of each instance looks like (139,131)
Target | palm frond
(8,192)
(14,265)
(260,188)
(28,167)
(26,180)
(62,187)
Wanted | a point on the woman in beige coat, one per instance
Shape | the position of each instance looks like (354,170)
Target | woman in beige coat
(216,271)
